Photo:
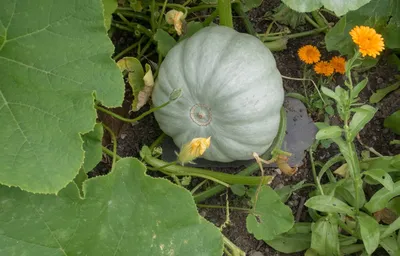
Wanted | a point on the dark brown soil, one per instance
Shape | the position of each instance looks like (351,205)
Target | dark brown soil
(132,137)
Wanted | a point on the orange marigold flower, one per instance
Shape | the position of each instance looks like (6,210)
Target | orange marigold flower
(338,64)
(324,68)
(369,42)
(309,54)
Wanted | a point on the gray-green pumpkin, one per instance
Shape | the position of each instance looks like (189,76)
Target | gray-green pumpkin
(231,91)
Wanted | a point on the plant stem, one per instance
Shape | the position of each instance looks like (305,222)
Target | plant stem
(114,140)
(225,13)
(201,7)
(314,172)
(143,51)
(346,228)
(295,35)
(234,249)
(157,141)
(152,11)
(296,95)
(134,119)
(222,207)
(328,164)
(238,7)
(110,153)
(198,186)
(311,21)
(351,249)
(253,167)
(210,18)
(317,17)
(135,15)
(125,51)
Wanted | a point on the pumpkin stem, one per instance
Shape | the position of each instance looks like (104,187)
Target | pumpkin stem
(225,13)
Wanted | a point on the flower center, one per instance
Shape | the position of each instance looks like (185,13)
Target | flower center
(201,114)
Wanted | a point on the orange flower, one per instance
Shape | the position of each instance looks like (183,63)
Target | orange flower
(309,54)
(338,64)
(369,42)
(193,149)
(324,68)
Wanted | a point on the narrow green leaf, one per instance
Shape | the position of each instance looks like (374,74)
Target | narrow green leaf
(329,204)
(369,230)
(54,58)
(165,42)
(391,228)
(345,191)
(324,238)
(382,177)
(387,163)
(390,245)
(297,239)
(393,122)
(358,88)
(381,93)
(381,198)
(92,144)
(270,217)
(328,92)
(329,132)
(123,213)
(362,116)
(286,191)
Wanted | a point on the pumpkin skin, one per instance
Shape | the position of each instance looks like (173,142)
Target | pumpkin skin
(231,91)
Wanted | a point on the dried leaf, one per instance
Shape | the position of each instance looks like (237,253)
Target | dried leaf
(144,95)
(174,17)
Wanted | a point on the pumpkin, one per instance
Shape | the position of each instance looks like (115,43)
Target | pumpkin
(231,91)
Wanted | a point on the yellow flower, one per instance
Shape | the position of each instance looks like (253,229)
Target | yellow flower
(338,64)
(175,17)
(369,42)
(323,68)
(193,149)
(309,54)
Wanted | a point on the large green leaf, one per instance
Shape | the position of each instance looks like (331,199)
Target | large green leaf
(385,19)
(109,7)
(329,204)
(269,217)
(369,230)
(363,115)
(324,238)
(340,7)
(123,213)
(54,57)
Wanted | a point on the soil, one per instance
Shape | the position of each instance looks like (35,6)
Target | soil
(132,137)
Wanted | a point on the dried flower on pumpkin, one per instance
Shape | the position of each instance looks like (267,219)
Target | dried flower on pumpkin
(174,17)
(338,64)
(369,42)
(323,68)
(193,149)
(309,54)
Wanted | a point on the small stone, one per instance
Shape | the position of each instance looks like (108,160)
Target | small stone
(278,186)
(122,136)
(379,80)
(256,253)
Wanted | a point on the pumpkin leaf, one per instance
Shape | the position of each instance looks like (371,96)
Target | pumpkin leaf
(165,42)
(393,122)
(369,230)
(329,204)
(340,7)
(92,145)
(297,239)
(381,198)
(80,179)
(324,237)
(382,177)
(329,132)
(50,72)
(386,21)
(381,93)
(109,6)
(363,115)
(269,216)
(250,4)
(285,15)
(112,214)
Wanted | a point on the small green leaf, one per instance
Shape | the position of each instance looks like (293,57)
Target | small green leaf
(270,217)
(123,213)
(329,109)
(345,191)
(192,28)
(297,239)
(92,144)
(393,122)
(381,93)
(391,228)
(362,116)
(324,238)
(381,176)
(328,92)
(358,88)
(369,230)
(238,189)
(286,191)
(329,132)
(251,4)
(381,198)
(165,42)
(329,204)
